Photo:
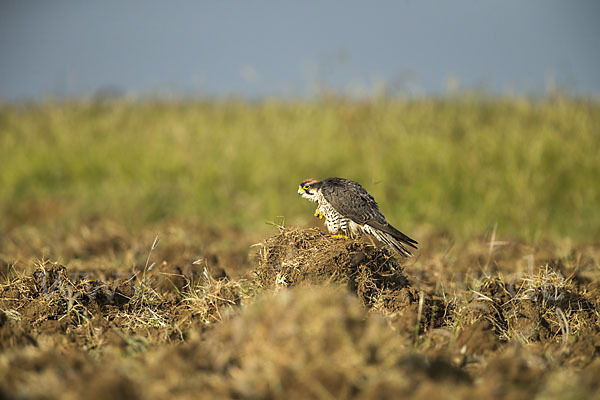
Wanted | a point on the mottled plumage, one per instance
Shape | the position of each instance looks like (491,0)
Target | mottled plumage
(349,209)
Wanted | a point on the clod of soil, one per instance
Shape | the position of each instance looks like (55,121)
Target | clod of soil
(545,308)
(299,257)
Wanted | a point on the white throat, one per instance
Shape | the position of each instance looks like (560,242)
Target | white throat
(308,197)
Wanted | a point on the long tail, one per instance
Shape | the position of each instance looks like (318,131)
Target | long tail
(392,237)
(395,244)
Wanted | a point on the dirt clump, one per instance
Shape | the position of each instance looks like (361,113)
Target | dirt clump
(51,294)
(309,257)
(515,373)
(93,312)
(544,310)
(308,342)
(478,338)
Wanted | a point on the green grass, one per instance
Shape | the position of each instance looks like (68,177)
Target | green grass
(459,164)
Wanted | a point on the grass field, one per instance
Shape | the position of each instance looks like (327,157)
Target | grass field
(459,165)
(139,258)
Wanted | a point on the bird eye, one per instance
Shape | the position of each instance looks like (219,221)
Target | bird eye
(306,187)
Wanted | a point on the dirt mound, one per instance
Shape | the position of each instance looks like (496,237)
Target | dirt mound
(296,257)
(161,305)
(544,309)
(51,300)
(306,342)
(301,257)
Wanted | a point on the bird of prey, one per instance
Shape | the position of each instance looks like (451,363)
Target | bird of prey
(349,209)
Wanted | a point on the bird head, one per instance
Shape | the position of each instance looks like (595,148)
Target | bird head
(308,189)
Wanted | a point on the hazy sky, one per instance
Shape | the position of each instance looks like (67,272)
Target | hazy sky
(295,48)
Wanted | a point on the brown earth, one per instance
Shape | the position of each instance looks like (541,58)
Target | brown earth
(305,315)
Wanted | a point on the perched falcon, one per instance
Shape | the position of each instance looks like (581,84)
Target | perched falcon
(348,210)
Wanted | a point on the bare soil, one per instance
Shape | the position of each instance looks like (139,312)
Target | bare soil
(205,313)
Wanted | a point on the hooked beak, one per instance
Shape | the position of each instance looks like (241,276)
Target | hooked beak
(300,191)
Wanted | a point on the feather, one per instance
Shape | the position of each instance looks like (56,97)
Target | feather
(350,200)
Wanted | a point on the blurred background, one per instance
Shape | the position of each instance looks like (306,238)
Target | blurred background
(296,49)
(457,116)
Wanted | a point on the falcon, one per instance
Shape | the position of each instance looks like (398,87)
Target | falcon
(350,210)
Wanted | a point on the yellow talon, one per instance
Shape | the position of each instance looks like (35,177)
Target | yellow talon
(319,214)
(338,236)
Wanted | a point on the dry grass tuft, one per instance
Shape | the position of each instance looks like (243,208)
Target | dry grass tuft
(206,299)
